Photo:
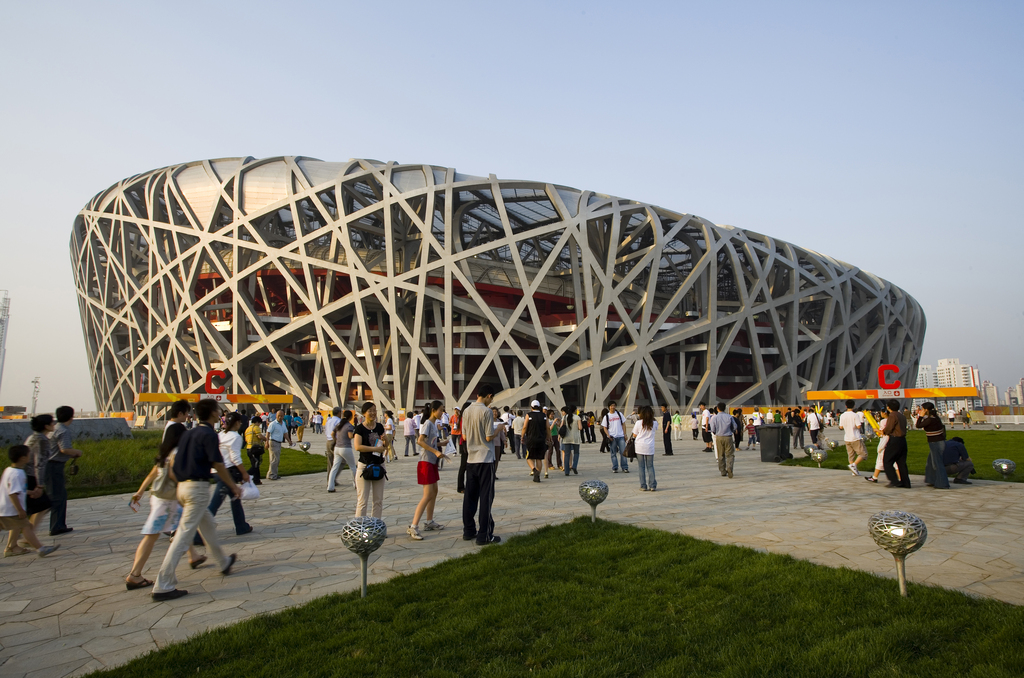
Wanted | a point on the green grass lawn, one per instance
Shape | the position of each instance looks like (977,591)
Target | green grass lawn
(612,600)
(118,466)
(984,447)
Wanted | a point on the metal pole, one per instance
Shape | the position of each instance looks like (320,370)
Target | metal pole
(593,513)
(901,573)
(362,560)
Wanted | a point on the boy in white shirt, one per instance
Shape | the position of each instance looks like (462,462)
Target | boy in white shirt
(849,422)
(13,516)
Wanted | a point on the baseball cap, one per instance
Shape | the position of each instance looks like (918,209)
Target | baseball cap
(535,403)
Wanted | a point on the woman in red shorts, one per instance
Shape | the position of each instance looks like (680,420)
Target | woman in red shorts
(426,471)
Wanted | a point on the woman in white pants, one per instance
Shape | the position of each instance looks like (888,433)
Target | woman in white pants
(343,452)
(369,442)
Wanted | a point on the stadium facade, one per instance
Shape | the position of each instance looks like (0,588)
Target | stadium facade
(341,282)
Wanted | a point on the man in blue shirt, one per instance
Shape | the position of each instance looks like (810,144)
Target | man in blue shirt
(277,431)
(723,426)
(957,462)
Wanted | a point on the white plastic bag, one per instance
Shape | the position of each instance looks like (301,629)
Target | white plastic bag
(249,490)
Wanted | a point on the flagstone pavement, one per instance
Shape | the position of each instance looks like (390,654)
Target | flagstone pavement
(70,613)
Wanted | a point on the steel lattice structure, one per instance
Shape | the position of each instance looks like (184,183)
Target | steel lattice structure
(344,282)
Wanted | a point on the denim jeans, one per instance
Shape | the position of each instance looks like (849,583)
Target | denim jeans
(571,452)
(618,447)
(237,512)
(646,464)
(410,441)
(935,468)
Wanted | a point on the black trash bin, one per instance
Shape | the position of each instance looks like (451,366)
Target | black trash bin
(774,439)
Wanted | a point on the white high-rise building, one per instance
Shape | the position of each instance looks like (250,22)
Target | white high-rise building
(926,377)
(989,394)
(1015,395)
(949,373)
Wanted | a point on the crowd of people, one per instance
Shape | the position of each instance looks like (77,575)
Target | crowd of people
(183,505)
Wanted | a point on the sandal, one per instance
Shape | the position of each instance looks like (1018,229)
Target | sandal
(16,551)
(133,585)
(197,562)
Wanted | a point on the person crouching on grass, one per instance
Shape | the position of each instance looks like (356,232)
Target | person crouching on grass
(13,500)
(426,472)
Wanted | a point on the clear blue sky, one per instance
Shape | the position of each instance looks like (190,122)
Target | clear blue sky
(888,135)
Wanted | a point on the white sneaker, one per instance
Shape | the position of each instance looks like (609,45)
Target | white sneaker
(415,533)
(853,469)
(431,525)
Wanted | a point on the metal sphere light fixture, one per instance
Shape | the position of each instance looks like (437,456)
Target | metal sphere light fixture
(362,536)
(819,456)
(304,447)
(999,426)
(1005,466)
(900,533)
(810,450)
(593,492)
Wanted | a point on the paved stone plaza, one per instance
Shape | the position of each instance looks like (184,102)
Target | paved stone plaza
(70,614)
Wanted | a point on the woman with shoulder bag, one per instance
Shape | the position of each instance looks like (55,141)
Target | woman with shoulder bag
(370,475)
(643,440)
(164,509)
(37,504)
(935,470)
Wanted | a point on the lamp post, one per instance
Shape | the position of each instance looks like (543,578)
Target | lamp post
(900,533)
(1005,466)
(593,492)
(818,455)
(362,536)
(35,394)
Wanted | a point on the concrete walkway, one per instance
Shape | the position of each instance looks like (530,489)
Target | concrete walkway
(70,614)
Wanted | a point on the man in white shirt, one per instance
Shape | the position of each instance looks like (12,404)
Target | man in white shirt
(613,425)
(855,450)
(814,426)
(516,433)
(705,427)
(277,432)
(332,423)
(409,428)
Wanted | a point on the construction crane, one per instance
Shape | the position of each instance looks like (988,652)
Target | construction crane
(5,317)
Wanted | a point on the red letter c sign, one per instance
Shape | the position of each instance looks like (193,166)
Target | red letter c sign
(221,374)
(883,381)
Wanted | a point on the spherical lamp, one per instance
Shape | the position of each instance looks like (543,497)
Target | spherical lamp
(809,450)
(362,536)
(998,426)
(819,456)
(900,533)
(593,492)
(1005,466)
(304,447)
